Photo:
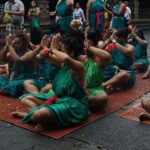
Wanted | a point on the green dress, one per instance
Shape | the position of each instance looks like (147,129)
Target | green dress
(94,77)
(35,21)
(118,22)
(140,54)
(123,63)
(97,15)
(64,16)
(71,107)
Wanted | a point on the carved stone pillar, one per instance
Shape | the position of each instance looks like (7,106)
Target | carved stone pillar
(136,9)
(44,5)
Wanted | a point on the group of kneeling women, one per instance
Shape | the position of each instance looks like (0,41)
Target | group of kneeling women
(65,77)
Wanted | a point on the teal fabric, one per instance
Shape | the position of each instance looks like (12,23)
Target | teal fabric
(71,106)
(96,6)
(43,97)
(140,54)
(66,15)
(45,73)
(123,63)
(118,22)
(13,84)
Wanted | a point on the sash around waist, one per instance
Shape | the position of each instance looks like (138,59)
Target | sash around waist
(94,12)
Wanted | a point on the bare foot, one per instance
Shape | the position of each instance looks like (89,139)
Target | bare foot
(143,117)
(146,75)
(39,128)
(110,89)
(18,114)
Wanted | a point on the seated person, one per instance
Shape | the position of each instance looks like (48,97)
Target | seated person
(21,64)
(70,106)
(94,62)
(138,40)
(120,74)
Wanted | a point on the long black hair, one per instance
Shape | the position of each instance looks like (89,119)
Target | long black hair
(74,42)
(94,35)
(140,33)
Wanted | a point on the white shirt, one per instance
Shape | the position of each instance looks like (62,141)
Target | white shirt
(15,7)
(79,14)
(127,14)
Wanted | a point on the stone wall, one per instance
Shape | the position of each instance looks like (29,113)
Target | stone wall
(44,5)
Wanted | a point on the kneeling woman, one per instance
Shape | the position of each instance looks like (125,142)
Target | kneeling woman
(141,60)
(94,62)
(120,74)
(71,105)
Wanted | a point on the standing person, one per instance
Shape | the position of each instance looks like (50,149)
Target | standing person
(70,106)
(118,21)
(95,14)
(127,14)
(64,14)
(78,13)
(14,8)
(33,14)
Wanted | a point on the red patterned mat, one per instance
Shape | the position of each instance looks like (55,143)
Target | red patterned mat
(116,101)
(133,113)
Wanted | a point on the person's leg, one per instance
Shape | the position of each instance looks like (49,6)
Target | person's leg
(139,67)
(98,102)
(30,87)
(121,78)
(31,102)
(146,106)
(147,73)
(42,117)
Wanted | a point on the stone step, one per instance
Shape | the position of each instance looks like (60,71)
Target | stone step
(142,23)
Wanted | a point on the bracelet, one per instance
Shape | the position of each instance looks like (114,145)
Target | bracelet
(114,41)
(106,42)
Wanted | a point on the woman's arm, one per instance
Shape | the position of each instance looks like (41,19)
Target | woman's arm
(140,41)
(102,44)
(75,66)
(125,50)
(101,54)
(38,11)
(27,57)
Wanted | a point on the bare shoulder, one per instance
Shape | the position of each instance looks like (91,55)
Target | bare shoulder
(130,47)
